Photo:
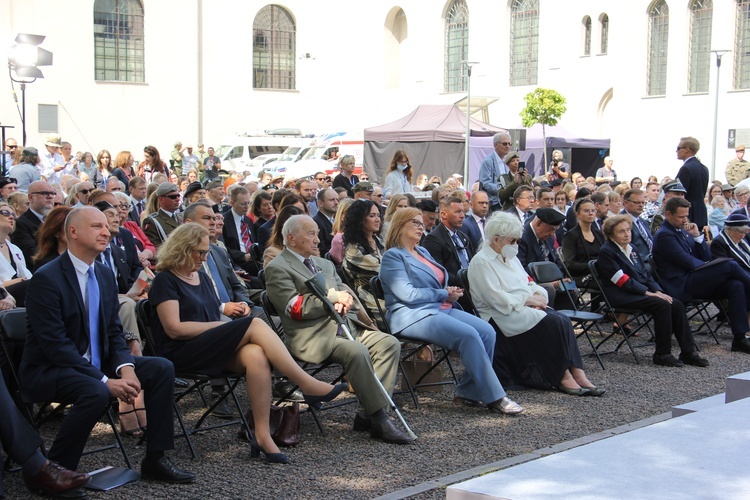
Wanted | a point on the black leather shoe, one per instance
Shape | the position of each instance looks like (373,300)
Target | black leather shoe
(742,345)
(459,401)
(164,470)
(362,422)
(388,432)
(692,358)
(282,388)
(667,360)
(57,481)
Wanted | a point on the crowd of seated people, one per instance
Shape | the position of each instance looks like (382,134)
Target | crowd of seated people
(202,242)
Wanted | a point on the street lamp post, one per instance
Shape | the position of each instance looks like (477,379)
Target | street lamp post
(468,65)
(24,58)
(719,54)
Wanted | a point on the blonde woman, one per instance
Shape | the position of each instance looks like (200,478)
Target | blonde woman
(397,202)
(337,243)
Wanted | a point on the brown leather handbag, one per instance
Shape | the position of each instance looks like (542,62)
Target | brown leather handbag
(283,422)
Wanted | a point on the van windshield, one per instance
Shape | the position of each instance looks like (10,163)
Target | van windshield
(315,152)
(290,153)
(222,150)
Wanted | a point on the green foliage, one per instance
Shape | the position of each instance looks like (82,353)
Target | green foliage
(544,106)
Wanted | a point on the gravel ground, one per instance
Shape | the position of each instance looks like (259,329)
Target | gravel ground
(345,464)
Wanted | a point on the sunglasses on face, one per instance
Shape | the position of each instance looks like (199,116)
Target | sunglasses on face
(175,196)
(8,213)
(47,194)
(85,191)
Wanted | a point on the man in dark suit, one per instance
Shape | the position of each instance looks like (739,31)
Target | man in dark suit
(681,255)
(536,245)
(450,247)
(238,231)
(75,352)
(523,199)
(694,176)
(159,225)
(328,202)
(476,218)
(633,202)
(137,187)
(21,442)
(41,202)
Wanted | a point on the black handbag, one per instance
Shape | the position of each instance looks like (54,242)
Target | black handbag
(283,422)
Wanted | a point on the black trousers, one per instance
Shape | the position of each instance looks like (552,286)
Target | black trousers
(668,319)
(90,398)
(726,280)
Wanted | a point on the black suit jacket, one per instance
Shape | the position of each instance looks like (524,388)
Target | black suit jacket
(530,250)
(232,283)
(444,252)
(694,176)
(126,242)
(721,246)
(623,281)
(264,233)
(325,228)
(58,330)
(472,230)
(232,242)
(576,250)
(24,236)
(133,214)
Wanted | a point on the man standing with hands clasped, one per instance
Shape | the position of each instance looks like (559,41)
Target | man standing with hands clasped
(75,352)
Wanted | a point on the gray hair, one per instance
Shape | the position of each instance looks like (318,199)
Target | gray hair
(294,225)
(121,197)
(503,225)
(741,190)
(499,137)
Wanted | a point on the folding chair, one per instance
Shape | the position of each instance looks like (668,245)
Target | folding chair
(636,313)
(695,307)
(416,345)
(312,368)
(197,382)
(548,272)
(581,303)
(13,333)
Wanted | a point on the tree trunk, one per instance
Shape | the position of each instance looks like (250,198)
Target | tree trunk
(544,141)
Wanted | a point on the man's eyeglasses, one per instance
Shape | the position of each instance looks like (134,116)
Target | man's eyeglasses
(8,213)
(505,143)
(681,147)
(85,191)
(320,178)
(46,194)
(175,196)
(11,146)
(418,223)
(124,206)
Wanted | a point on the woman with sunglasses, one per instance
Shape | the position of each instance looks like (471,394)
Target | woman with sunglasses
(188,331)
(421,306)
(536,345)
(14,274)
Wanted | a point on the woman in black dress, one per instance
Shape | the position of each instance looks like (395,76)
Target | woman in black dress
(188,331)
(582,243)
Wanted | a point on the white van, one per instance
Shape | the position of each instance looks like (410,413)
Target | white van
(237,152)
(293,153)
(341,143)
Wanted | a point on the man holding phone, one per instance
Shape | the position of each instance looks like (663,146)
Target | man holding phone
(509,182)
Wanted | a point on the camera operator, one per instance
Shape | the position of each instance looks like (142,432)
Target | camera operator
(558,169)
(508,183)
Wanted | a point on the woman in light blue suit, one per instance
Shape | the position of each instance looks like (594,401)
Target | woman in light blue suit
(420,306)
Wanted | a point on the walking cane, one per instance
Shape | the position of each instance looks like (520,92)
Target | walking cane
(317,285)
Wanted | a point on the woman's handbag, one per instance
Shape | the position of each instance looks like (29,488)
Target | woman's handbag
(283,422)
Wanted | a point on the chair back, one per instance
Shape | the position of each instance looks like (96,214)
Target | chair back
(262,278)
(256,252)
(376,287)
(13,324)
(654,272)
(545,272)
(143,314)
(270,310)
(598,280)
(463,278)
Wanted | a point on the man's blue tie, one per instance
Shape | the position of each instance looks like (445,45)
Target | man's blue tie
(223,294)
(92,303)
(461,251)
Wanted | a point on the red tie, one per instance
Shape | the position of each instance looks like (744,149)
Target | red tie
(246,235)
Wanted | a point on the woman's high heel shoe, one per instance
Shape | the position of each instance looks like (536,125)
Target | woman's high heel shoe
(272,458)
(315,401)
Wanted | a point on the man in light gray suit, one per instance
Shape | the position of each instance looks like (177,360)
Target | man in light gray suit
(493,166)
(311,334)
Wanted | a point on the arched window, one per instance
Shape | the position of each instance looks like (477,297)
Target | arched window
(274,48)
(524,42)
(118,41)
(742,46)
(604,41)
(658,35)
(701,13)
(456,45)
(586,25)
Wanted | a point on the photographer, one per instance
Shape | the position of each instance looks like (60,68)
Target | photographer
(509,182)
(558,169)
(606,174)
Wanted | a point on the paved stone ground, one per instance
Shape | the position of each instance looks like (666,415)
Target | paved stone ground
(344,464)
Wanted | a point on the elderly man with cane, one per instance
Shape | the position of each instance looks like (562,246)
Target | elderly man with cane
(370,361)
